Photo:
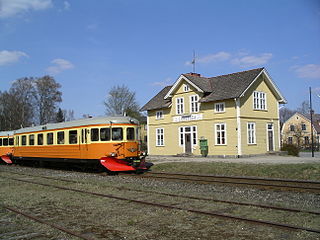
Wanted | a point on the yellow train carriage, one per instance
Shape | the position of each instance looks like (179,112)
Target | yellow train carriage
(112,141)
(6,146)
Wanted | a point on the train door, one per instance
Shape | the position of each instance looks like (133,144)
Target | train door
(84,143)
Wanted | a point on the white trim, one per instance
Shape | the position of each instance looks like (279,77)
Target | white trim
(215,107)
(180,104)
(279,133)
(176,84)
(258,99)
(253,131)
(161,115)
(267,136)
(239,140)
(184,136)
(161,133)
(148,135)
(216,135)
(196,103)
(274,86)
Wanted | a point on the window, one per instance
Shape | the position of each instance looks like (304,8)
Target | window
(17,140)
(159,115)
(289,140)
(0,141)
(49,138)
(292,128)
(181,136)
(117,134)
(194,105)
(24,140)
(159,137)
(186,88)
(5,142)
(40,139)
(251,133)
(31,139)
(130,133)
(179,106)
(73,136)
(303,127)
(306,140)
(105,134)
(94,134)
(259,101)
(60,138)
(219,107)
(221,134)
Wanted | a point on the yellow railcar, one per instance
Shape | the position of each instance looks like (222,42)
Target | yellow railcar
(6,146)
(110,141)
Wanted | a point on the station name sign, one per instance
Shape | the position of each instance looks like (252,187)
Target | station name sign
(186,118)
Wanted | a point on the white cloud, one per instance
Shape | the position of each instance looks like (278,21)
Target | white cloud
(166,82)
(66,5)
(7,57)
(308,71)
(250,61)
(59,66)
(9,8)
(216,57)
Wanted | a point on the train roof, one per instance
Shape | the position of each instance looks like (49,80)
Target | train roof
(79,123)
(6,133)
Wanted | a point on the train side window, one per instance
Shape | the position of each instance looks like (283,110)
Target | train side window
(0,141)
(11,142)
(17,140)
(49,138)
(24,140)
(73,136)
(5,142)
(105,134)
(94,134)
(130,133)
(40,139)
(31,139)
(60,138)
(117,134)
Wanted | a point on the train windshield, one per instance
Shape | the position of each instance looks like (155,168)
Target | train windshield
(130,134)
(117,134)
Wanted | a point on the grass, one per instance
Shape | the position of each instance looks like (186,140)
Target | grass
(306,171)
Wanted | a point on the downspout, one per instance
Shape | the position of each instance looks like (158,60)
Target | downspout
(239,143)
(148,134)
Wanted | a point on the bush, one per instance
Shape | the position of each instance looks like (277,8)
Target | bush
(291,149)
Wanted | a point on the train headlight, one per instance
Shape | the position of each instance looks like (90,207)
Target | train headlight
(113,154)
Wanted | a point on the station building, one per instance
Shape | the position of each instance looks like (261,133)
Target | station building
(232,115)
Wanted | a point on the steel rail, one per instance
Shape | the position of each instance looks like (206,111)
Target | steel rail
(189,178)
(212,214)
(188,197)
(36,219)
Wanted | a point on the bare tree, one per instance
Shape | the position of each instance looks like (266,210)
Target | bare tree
(285,114)
(304,108)
(121,101)
(47,98)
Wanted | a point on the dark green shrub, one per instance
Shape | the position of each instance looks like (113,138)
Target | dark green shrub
(291,149)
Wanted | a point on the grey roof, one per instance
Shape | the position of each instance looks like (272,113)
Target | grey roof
(6,133)
(158,101)
(214,88)
(77,123)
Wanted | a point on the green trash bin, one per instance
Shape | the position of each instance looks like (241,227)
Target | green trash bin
(204,147)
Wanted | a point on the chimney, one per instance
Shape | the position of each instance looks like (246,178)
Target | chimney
(194,74)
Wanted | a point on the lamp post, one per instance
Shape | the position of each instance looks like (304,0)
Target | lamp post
(311,113)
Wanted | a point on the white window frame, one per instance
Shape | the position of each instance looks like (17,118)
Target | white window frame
(159,115)
(251,133)
(180,105)
(186,88)
(194,103)
(259,100)
(159,137)
(194,135)
(220,131)
(218,106)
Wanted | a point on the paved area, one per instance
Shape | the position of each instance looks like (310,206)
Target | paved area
(265,159)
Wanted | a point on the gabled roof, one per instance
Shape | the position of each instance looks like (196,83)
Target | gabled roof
(217,88)
(315,120)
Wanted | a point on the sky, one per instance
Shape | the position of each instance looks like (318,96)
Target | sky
(89,46)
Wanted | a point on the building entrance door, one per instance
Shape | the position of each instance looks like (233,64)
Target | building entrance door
(270,137)
(188,143)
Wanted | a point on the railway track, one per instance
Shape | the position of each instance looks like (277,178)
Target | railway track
(273,183)
(172,206)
